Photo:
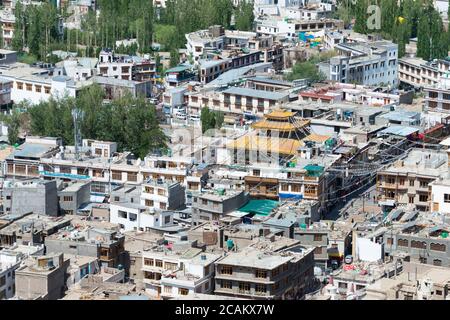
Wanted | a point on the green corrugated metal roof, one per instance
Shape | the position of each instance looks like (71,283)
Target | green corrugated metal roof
(260,207)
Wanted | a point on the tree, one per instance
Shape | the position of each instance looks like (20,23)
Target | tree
(431,42)
(306,70)
(243,16)
(211,119)
(13,122)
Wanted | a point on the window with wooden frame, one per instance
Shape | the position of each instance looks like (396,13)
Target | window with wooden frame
(226,270)
(260,273)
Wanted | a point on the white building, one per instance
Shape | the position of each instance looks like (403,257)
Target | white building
(440,195)
(196,276)
(131,216)
(163,195)
(369,64)
(169,274)
(10,260)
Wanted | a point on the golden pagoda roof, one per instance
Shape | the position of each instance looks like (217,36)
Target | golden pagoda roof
(317,138)
(252,142)
(279,114)
(280,125)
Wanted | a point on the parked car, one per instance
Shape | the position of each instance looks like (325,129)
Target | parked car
(181,116)
(194,117)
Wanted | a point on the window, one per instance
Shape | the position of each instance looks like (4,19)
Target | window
(342,285)
(149,203)
(161,192)
(149,262)
(38,88)
(437,262)
(446,197)
(295,188)
(275,272)
(423,198)
(260,288)
(204,202)
(260,273)
(29,87)
(2,281)
(163,206)
(438,247)
(47,90)
(149,190)
(133,217)
(167,289)
(423,184)
(117,175)
(170,266)
(226,284)
(132,176)
(284,187)
(122,214)
(159,263)
(411,199)
(418,244)
(389,241)
(183,291)
(226,270)
(67,198)
(438,292)
(401,181)
(411,183)
(116,198)
(317,237)
(20,85)
(402,242)
(244,287)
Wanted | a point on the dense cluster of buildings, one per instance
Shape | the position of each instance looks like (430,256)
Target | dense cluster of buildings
(337,189)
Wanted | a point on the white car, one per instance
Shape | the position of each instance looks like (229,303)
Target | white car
(178,109)
(181,116)
(195,117)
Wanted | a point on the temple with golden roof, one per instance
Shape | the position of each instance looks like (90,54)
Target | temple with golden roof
(283,123)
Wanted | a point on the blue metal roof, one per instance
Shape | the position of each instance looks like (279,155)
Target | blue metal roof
(403,131)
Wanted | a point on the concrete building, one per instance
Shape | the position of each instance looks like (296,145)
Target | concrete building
(211,206)
(162,195)
(374,64)
(106,245)
(42,278)
(10,260)
(37,196)
(178,273)
(256,272)
(73,196)
(406,182)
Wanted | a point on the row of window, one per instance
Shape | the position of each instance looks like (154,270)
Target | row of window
(29,87)
(419,244)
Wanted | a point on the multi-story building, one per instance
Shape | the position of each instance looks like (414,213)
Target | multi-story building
(213,205)
(289,28)
(163,195)
(10,260)
(37,196)
(407,181)
(419,241)
(44,278)
(369,64)
(170,274)
(72,196)
(106,245)
(257,272)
